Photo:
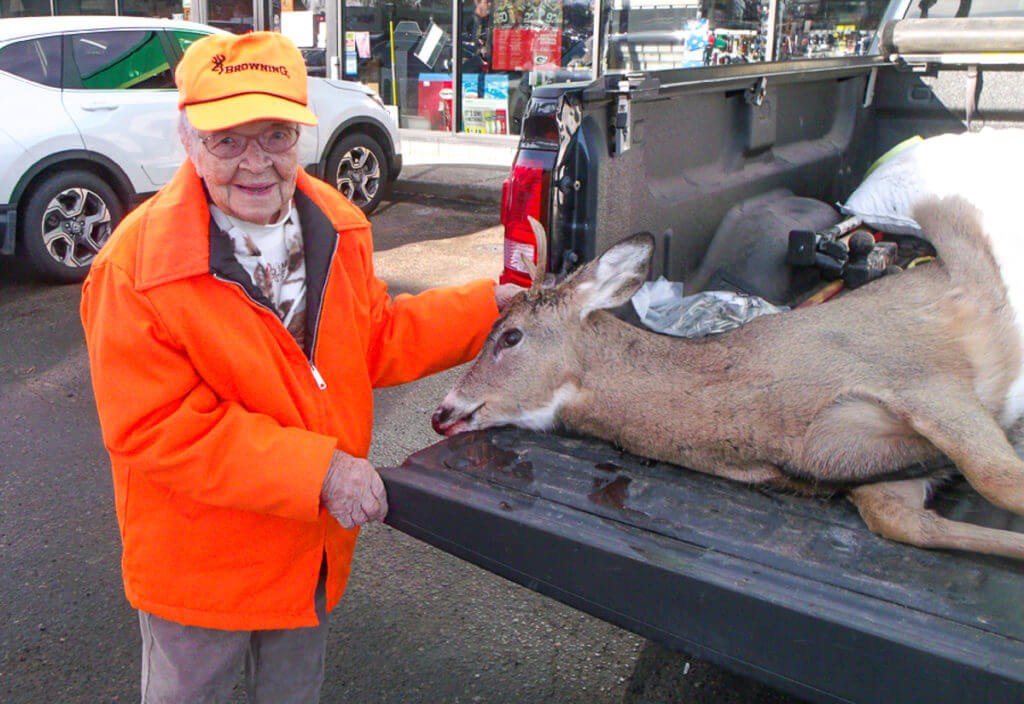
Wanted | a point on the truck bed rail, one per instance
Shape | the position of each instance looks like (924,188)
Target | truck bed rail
(977,41)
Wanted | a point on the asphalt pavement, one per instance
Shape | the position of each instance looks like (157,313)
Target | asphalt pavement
(467,182)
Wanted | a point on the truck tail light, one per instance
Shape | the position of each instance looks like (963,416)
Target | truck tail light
(522,194)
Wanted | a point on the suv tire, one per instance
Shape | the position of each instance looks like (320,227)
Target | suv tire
(67,218)
(358,168)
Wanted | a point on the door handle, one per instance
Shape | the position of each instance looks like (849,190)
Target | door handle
(94,106)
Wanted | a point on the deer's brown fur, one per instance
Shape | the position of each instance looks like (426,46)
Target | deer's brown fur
(848,394)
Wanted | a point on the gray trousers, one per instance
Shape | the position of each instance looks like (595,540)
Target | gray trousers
(193,665)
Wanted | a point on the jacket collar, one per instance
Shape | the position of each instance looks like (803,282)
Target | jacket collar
(319,237)
(175,228)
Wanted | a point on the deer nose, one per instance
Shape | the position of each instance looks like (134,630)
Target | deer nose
(440,417)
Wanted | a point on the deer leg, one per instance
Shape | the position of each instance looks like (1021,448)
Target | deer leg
(895,510)
(966,432)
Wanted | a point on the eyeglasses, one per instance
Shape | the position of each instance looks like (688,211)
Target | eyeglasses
(228,145)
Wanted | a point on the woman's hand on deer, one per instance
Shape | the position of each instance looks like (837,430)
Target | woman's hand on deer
(504,293)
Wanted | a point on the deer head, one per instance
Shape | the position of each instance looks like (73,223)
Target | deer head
(528,368)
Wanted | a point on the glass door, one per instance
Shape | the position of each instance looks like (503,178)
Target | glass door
(237,16)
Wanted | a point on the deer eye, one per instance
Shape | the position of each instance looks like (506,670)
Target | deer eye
(510,338)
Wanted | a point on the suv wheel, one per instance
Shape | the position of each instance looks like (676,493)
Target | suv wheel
(68,217)
(357,167)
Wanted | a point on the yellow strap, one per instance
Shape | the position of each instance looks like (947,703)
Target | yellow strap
(906,143)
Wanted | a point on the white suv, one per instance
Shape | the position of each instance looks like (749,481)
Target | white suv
(90,128)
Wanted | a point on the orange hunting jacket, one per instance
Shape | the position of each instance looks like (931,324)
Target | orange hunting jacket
(220,427)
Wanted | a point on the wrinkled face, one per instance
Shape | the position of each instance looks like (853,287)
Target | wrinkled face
(523,375)
(255,185)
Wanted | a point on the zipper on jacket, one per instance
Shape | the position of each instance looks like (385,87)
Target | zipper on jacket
(320,310)
(320,383)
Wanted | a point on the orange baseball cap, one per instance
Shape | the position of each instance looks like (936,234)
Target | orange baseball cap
(226,80)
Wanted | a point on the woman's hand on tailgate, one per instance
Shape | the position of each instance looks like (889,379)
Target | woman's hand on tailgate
(353,491)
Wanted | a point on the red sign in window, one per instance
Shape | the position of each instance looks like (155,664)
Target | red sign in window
(527,49)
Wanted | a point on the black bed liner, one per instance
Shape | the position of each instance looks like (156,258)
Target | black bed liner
(792,591)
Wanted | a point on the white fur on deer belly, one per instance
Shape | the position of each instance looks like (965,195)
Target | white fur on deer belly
(1007,241)
(543,418)
(1013,409)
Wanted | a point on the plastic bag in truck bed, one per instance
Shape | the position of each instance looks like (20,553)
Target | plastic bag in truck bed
(662,307)
(984,167)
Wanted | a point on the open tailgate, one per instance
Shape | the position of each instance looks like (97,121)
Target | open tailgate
(795,592)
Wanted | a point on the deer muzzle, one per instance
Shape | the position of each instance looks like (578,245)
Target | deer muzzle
(440,421)
(454,416)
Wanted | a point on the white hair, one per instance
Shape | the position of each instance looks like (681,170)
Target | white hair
(188,133)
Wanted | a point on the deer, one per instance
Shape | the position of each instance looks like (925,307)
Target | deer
(875,395)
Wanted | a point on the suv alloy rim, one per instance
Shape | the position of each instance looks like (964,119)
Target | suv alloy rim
(76,223)
(358,176)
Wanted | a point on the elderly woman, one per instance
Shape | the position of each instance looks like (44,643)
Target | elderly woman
(235,331)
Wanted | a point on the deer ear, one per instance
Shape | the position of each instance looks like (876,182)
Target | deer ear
(616,275)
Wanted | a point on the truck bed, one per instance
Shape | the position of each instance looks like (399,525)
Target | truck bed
(793,591)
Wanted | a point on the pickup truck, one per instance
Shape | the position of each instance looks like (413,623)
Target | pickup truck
(791,591)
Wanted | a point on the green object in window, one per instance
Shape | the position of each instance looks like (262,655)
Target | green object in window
(122,60)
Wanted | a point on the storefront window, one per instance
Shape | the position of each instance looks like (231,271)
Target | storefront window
(508,47)
(647,36)
(303,22)
(505,48)
(171,9)
(84,7)
(233,15)
(821,29)
(403,49)
(24,8)
(485,86)
(428,66)
(367,49)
